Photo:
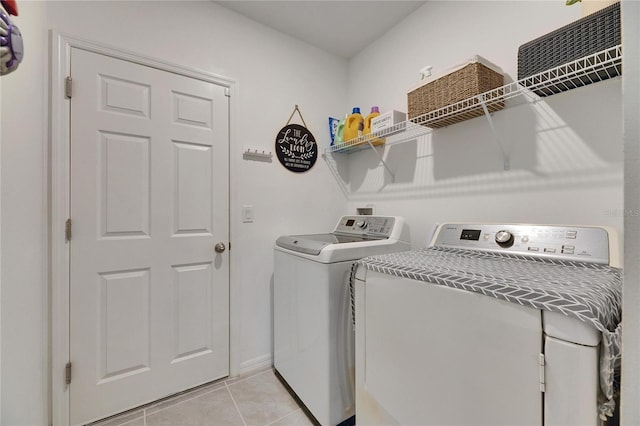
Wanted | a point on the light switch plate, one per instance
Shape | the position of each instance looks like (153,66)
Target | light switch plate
(247,214)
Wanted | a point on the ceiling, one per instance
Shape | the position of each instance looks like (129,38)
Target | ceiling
(343,28)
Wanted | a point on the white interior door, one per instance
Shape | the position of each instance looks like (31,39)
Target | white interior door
(149,295)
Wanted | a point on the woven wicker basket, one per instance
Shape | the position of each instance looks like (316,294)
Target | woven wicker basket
(464,83)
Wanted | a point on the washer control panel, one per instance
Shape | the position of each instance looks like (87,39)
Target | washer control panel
(378,226)
(582,243)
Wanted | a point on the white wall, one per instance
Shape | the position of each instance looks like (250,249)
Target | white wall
(631,297)
(565,151)
(274,73)
(23,229)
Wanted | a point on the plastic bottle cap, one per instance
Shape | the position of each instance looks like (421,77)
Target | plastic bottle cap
(356,110)
(374,109)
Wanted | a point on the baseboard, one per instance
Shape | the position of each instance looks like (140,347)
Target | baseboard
(254,364)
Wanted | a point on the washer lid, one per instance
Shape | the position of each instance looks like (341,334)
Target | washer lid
(314,243)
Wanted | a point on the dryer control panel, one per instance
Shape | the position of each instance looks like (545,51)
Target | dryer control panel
(581,243)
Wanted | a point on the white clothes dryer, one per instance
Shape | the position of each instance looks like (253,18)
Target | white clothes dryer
(490,325)
(313,330)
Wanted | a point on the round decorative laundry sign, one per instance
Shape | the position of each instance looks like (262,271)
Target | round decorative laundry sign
(296,148)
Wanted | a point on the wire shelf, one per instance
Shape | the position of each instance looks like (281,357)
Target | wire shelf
(589,69)
(406,129)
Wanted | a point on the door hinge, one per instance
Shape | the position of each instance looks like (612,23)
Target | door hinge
(541,365)
(227,92)
(67,230)
(67,87)
(67,373)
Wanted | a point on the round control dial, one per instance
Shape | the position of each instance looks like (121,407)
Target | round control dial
(361,224)
(504,238)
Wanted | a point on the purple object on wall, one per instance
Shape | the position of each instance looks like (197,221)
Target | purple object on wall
(11,40)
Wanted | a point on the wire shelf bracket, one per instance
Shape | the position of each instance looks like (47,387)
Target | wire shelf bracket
(505,155)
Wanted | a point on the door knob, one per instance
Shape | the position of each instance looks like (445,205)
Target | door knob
(220,247)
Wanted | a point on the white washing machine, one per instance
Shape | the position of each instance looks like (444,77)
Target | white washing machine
(313,330)
(490,325)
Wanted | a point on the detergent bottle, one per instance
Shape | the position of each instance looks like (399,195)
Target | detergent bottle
(339,138)
(375,111)
(354,125)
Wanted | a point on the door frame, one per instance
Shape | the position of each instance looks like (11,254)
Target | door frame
(59,204)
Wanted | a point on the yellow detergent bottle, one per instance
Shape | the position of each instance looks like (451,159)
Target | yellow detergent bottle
(354,125)
(375,111)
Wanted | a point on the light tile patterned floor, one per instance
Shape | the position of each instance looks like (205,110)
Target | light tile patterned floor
(255,400)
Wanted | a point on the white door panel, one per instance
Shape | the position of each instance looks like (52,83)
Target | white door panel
(149,200)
